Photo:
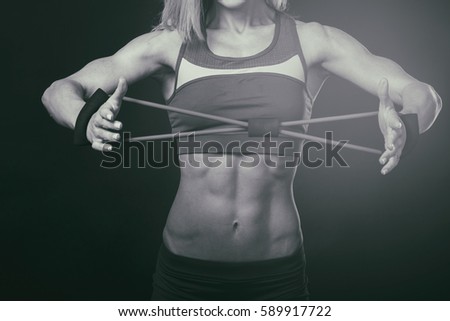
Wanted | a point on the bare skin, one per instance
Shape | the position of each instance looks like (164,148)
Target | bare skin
(239,214)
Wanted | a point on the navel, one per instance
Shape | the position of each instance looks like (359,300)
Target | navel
(235,226)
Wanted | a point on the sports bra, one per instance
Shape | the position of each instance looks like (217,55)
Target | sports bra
(267,85)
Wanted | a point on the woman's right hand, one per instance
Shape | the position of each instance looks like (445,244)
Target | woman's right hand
(103,127)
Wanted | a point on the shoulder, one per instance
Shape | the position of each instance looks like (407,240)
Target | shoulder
(315,31)
(312,31)
(313,38)
(323,42)
(157,45)
(313,26)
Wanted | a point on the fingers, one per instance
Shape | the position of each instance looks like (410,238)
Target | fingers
(391,164)
(394,143)
(393,119)
(389,140)
(394,138)
(105,135)
(107,112)
(387,155)
(392,129)
(101,147)
(101,137)
(103,129)
(104,123)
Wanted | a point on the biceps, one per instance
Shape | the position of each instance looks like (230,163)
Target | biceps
(101,73)
(105,73)
(136,60)
(353,62)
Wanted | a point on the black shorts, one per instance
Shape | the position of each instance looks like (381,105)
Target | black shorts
(188,279)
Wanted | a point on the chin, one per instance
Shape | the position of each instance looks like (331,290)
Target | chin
(232,4)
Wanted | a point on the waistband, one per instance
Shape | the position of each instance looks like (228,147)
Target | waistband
(233,271)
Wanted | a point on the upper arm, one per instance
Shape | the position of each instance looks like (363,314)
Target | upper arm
(140,58)
(340,54)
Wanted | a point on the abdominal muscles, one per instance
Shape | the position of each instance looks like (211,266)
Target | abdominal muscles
(233,213)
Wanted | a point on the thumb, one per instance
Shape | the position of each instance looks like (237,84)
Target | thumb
(119,93)
(383,93)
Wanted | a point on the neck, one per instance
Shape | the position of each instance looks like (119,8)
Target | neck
(238,18)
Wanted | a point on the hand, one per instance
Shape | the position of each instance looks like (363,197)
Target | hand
(102,126)
(392,128)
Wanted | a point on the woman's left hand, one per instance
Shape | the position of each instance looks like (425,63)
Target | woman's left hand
(392,128)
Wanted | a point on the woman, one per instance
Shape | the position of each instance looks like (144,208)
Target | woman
(233,232)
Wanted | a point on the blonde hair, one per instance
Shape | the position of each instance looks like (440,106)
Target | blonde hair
(188,16)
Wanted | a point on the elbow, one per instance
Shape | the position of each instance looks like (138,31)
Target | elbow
(62,99)
(45,99)
(51,101)
(48,99)
(48,96)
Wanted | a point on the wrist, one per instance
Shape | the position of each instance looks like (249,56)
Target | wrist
(85,116)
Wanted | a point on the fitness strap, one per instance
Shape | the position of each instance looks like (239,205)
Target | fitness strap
(90,108)
(411,122)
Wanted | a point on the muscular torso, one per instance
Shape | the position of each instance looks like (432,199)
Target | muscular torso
(233,213)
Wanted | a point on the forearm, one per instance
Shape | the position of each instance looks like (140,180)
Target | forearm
(421,99)
(63,100)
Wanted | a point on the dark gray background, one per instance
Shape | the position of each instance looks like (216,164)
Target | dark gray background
(70,230)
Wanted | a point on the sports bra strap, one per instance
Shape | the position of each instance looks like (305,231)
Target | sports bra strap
(293,34)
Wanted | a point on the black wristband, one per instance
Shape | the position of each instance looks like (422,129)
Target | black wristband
(411,122)
(90,108)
